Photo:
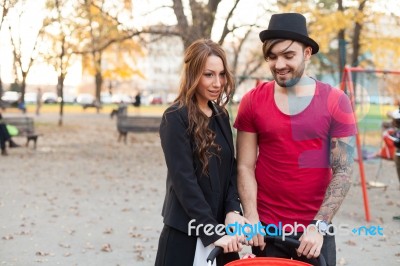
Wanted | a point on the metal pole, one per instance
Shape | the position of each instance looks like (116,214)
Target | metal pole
(347,80)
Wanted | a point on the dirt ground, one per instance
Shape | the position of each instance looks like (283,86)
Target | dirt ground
(82,198)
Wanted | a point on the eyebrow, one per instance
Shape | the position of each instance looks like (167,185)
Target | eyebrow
(285,50)
(223,70)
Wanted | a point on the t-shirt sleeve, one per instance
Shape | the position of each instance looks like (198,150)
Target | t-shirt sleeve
(343,120)
(244,120)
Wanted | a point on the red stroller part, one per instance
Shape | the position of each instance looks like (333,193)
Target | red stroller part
(267,261)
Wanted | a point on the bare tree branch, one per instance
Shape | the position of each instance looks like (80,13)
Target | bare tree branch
(226,31)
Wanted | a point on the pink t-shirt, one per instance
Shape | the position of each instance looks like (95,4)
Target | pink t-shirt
(292,168)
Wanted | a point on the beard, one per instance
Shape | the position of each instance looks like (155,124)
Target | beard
(296,75)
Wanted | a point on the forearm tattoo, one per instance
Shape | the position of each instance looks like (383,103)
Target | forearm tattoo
(342,151)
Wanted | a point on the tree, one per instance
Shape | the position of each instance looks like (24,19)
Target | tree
(202,18)
(347,31)
(5,6)
(100,29)
(59,51)
(24,47)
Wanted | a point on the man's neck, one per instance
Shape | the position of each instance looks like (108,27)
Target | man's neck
(293,100)
(305,87)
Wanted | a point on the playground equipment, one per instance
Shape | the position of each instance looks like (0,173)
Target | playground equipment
(347,84)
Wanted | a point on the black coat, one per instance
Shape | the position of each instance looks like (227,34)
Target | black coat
(189,193)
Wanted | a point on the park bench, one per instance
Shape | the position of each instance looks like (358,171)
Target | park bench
(25,127)
(138,124)
(7,105)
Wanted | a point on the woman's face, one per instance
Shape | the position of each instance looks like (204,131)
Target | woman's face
(212,81)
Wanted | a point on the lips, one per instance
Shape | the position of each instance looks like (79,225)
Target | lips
(282,72)
(214,92)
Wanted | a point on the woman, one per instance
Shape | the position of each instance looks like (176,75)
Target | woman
(196,138)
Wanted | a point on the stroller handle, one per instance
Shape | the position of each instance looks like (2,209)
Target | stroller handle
(288,242)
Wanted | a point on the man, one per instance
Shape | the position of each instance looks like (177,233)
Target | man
(39,95)
(295,146)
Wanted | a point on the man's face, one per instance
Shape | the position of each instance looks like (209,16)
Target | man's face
(287,62)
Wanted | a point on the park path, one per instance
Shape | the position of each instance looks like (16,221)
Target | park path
(82,198)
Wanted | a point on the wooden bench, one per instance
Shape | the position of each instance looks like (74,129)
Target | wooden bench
(25,127)
(127,124)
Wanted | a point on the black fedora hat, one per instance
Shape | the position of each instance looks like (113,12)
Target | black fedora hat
(290,26)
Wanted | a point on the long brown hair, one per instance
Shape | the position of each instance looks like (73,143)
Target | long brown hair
(194,63)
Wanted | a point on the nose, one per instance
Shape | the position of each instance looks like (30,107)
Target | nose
(280,62)
(217,81)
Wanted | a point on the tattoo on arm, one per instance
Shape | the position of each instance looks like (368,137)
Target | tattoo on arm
(342,151)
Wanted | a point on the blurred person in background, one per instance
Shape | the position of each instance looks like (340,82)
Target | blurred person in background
(38,100)
(5,137)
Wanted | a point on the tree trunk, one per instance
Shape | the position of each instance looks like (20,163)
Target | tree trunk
(356,44)
(60,92)
(99,83)
(203,16)
(341,45)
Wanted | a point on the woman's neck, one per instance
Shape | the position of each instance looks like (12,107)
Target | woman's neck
(206,109)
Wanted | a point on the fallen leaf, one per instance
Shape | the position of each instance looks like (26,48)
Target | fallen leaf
(7,237)
(63,245)
(342,261)
(108,231)
(139,257)
(135,235)
(106,248)
(41,253)
(350,243)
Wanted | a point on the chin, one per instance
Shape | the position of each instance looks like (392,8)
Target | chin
(213,98)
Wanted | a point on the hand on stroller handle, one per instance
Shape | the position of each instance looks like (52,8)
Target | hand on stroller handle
(289,242)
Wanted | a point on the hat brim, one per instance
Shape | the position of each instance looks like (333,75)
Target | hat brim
(289,35)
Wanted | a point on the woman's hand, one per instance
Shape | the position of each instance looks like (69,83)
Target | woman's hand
(229,243)
(236,219)
(233,217)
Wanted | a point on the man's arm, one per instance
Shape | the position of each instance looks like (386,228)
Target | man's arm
(247,184)
(342,151)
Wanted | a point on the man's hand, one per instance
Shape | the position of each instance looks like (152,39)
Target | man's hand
(310,243)
(257,240)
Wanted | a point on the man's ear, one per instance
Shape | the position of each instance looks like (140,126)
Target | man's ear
(307,53)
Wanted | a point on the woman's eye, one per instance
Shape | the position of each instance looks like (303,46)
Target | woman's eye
(208,74)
